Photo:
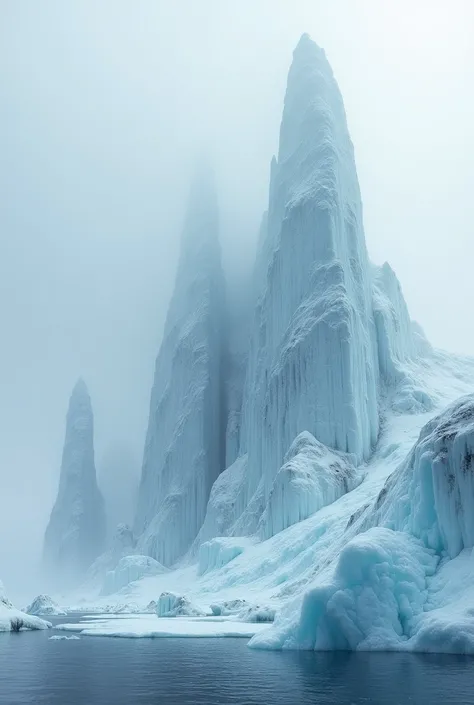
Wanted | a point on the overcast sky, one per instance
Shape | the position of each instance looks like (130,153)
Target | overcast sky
(104,106)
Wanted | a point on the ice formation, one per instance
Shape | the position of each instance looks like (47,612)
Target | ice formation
(171,605)
(404,582)
(128,569)
(220,551)
(312,476)
(227,502)
(43,606)
(75,534)
(327,333)
(372,601)
(184,450)
(431,495)
(330,331)
(313,341)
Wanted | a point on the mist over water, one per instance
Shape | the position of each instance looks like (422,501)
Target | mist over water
(105,108)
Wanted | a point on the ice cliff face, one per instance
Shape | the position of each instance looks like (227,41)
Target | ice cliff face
(431,494)
(76,531)
(185,444)
(311,477)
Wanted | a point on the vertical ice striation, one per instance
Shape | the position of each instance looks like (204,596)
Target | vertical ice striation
(76,531)
(431,493)
(311,477)
(185,444)
(313,359)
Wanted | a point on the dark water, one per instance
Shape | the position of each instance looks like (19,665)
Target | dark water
(106,671)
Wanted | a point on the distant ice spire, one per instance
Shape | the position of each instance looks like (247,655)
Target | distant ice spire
(76,531)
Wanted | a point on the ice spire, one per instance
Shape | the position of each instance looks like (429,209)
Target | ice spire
(312,363)
(184,450)
(76,531)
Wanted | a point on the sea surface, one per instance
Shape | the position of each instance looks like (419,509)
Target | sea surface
(116,671)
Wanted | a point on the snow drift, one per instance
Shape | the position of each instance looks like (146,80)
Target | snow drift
(219,551)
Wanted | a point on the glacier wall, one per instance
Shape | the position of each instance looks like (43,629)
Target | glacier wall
(185,443)
(431,494)
(75,534)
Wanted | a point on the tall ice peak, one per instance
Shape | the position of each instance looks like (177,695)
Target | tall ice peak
(76,531)
(185,444)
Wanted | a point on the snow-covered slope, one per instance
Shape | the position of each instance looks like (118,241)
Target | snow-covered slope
(399,575)
(185,448)
(75,534)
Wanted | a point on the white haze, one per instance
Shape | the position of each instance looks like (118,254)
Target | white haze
(105,105)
